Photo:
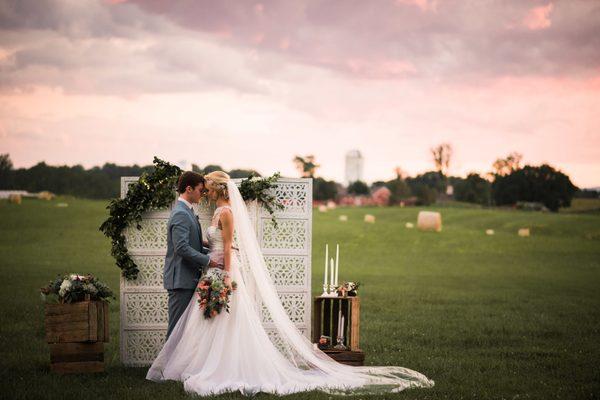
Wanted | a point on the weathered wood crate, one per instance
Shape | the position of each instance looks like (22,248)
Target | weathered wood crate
(347,357)
(76,334)
(325,322)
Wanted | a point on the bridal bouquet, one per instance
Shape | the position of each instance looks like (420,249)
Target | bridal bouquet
(213,294)
(71,288)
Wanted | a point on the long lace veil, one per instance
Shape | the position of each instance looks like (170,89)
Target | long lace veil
(294,346)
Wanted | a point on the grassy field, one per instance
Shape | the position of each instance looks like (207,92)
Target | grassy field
(484,316)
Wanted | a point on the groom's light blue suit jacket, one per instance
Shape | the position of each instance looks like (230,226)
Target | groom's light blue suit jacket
(186,256)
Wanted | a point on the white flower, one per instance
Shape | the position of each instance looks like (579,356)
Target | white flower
(76,277)
(64,287)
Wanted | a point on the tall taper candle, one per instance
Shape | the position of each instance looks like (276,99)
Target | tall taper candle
(337,263)
(326,262)
(332,283)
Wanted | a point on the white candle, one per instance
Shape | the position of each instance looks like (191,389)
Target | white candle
(326,258)
(340,323)
(341,333)
(337,263)
(332,268)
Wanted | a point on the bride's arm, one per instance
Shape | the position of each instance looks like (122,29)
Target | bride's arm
(227,234)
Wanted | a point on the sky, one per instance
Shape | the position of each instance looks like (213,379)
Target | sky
(251,84)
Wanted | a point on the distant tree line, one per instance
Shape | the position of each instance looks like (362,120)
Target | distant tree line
(507,184)
(95,183)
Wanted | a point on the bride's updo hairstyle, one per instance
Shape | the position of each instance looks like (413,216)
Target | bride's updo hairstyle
(217,180)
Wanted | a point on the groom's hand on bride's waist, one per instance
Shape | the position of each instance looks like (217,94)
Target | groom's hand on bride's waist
(213,264)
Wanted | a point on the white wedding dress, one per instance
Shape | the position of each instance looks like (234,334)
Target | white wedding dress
(233,352)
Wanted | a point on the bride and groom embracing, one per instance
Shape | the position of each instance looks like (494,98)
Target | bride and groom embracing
(232,351)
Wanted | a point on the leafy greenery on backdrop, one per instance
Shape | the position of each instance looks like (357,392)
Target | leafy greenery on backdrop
(156,190)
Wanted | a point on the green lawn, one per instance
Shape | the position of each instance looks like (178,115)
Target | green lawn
(484,316)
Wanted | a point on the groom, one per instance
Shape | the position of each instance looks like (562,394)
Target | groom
(185,254)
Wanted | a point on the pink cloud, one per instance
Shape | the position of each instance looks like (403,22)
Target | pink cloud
(538,17)
(258,37)
(379,69)
(424,5)
(284,43)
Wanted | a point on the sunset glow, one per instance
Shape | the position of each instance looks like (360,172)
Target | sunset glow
(251,85)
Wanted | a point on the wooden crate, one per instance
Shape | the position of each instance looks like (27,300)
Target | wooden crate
(347,357)
(325,319)
(85,321)
(76,334)
(69,358)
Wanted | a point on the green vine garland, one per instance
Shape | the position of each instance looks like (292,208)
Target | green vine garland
(260,189)
(156,190)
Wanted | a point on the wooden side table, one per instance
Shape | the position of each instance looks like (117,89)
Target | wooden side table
(325,322)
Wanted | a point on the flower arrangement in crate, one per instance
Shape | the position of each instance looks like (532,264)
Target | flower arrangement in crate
(76,320)
(348,289)
(71,288)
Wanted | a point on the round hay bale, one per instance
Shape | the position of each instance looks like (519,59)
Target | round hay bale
(369,218)
(429,221)
(489,232)
(343,218)
(410,225)
(323,208)
(331,205)
(15,199)
(524,232)
(45,195)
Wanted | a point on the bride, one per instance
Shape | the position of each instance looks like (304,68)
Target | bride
(232,351)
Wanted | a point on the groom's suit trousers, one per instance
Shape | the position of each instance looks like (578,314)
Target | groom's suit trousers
(178,301)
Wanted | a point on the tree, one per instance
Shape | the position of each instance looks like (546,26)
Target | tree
(505,166)
(425,195)
(242,173)
(541,184)
(211,168)
(431,179)
(6,171)
(441,157)
(427,186)
(324,189)
(473,189)
(399,188)
(358,188)
(306,166)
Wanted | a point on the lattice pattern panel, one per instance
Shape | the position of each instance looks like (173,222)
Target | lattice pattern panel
(150,275)
(290,235)
(287,254)
(288,271)
(295,305)
(146,308)
(276,338)
(293,196)
(140,347)
(152,236)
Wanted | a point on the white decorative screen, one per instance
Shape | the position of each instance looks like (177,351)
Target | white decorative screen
(286,249)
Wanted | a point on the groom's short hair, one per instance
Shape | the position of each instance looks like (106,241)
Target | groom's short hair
(189,178)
